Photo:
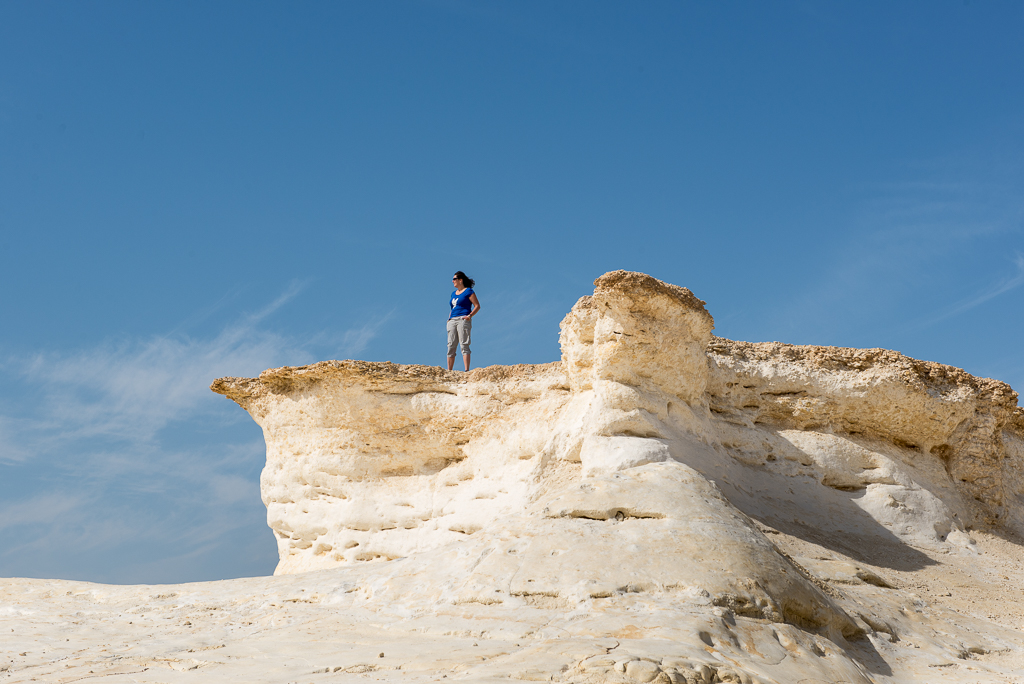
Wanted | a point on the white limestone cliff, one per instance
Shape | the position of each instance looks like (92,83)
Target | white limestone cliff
(369,461)
(661,505)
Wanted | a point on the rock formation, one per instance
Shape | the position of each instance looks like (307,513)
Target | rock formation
(371,461)
(661,505)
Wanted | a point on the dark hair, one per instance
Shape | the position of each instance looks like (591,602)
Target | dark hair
(466,280)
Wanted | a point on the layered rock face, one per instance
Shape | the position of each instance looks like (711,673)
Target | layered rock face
(374,461)
(648,472)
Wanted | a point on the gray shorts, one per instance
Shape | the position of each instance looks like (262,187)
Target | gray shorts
(458,333)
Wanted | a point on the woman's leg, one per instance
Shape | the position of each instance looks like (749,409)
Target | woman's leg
(453,340)
(465,326)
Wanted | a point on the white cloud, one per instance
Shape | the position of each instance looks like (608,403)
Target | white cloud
(123,445)
(1001,287)
(11,449)
(129,390)
(905,254)
(43,508)
(356,340)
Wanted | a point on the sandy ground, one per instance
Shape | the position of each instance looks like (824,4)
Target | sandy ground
(300,629)
(987,586)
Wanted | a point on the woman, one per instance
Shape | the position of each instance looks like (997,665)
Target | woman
(464,305)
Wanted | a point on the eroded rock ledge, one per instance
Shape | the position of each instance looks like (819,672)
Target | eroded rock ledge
(651,442)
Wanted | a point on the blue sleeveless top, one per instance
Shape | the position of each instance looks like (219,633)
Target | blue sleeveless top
(461,306)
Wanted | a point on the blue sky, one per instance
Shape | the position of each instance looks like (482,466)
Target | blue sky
(194,190)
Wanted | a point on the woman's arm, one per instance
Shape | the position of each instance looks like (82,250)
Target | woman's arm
(476,305)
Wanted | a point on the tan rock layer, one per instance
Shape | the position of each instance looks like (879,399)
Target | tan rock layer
(920,406)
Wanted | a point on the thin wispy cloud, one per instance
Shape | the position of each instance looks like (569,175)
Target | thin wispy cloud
(356,340)
(1001,287)
(203,314)
(131,447)
(904,254)
(292,291)
(515,315)
(352,342)
(43,508)
(129,390)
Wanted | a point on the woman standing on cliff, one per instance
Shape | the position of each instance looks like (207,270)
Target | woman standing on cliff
(464,305)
